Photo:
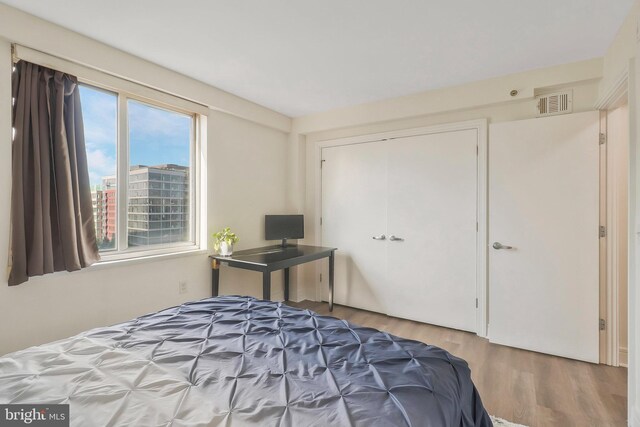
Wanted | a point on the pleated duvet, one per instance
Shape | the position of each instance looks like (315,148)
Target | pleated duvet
(238,361)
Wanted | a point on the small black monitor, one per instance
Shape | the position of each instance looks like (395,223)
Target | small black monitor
(283,227)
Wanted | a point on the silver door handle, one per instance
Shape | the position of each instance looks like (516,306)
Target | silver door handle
(498,245)
(395,238)
(380,237)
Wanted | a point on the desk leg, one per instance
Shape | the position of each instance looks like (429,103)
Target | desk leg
(266,285)
(331,271)
(286,284)
(215,277)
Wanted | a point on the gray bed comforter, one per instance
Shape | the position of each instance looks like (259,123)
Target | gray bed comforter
(240,361)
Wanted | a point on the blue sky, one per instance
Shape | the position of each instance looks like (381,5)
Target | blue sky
(156,136)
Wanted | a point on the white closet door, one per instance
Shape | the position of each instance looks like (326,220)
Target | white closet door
(432,206)
(543,202)
(354,200)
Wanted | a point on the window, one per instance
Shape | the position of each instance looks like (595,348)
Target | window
(100,114)
(142,156)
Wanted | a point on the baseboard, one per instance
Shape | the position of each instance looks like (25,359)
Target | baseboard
(623,357)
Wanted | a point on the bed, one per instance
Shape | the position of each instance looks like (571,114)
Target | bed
(237,361)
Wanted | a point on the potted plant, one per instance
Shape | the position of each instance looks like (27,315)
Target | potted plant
(224,240)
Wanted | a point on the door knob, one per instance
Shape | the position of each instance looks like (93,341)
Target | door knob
(395,238)
(498,245)
(380,237)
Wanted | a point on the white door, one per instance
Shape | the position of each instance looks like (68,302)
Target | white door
(423,190)
(354,192)
(432,206)
(543,202)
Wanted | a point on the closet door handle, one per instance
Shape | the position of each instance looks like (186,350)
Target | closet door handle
(498,245)
(380,237)
(396,238)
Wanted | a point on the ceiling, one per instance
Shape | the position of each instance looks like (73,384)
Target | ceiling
(303,56)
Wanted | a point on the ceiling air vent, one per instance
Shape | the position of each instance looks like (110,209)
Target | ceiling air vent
(555,103)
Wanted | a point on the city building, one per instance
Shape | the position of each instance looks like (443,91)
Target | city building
(158,211)
(98,210)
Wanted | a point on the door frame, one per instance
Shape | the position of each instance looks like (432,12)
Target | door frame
(609,286)
(481,128)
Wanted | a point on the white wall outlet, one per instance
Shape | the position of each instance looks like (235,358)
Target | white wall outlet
(182,287)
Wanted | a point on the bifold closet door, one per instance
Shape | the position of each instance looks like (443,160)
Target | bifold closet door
(354,210)
(432,203)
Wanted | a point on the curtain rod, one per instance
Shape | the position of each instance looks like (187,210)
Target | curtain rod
(29,52)
(14,54)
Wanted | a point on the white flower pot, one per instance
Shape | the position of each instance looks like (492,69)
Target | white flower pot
(226,249)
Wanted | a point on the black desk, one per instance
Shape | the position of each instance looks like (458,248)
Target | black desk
(272,258)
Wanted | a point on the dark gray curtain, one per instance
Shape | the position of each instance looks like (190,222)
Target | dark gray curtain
(52,226)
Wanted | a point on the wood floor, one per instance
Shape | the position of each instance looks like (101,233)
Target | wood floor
(521,386)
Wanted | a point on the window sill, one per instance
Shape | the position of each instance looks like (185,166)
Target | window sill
(121,260)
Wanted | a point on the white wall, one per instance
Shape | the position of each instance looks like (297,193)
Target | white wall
(621,51)
(248,165)
(467,97)
(247,173)
(633,296)
(488,99)
(634,221)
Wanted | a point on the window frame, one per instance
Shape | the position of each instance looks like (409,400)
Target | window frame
(128,90)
